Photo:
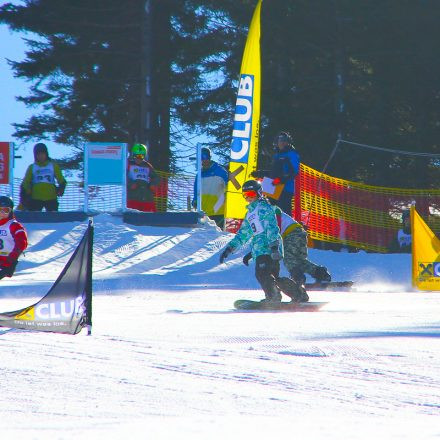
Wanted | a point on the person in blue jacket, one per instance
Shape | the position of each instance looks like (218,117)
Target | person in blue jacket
(285,166)
(214,181)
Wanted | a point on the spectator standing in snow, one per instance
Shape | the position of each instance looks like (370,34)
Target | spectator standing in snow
(39,181)
(285,166)
(142,180)
(13,238)
(214,181)
(403,240)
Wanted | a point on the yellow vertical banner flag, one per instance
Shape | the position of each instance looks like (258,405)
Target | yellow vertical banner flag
(245,133)
(425,254)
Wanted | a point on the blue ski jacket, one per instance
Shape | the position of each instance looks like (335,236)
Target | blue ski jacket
(214,180)
(286,167)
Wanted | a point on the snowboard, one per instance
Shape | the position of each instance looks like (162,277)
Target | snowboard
(331,285)
(247,304)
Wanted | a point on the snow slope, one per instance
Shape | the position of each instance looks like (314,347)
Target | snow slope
(170,359)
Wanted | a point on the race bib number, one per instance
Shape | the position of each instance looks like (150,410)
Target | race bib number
(139,173)
(255,222)
(43,174)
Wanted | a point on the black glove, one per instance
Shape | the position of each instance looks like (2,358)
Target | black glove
(247,258)
(60,190)
(225,254)
(8,271)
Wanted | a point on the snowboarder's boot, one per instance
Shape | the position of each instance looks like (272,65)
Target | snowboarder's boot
(273,296)
(321,275)
(301,295)
(293,290)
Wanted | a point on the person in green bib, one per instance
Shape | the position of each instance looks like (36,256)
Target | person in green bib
(41,179)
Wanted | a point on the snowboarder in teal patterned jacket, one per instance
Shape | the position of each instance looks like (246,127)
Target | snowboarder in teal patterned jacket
(260,229)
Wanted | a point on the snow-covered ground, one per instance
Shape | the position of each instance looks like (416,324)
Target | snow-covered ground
(169,359)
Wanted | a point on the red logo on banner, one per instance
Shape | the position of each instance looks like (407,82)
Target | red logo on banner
(4,162)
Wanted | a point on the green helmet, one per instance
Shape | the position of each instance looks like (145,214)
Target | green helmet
(139,149)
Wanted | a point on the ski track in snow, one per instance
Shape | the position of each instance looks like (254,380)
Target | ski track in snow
(169,358)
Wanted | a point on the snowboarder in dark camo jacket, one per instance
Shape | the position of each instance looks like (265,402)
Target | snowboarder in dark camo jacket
(295,251)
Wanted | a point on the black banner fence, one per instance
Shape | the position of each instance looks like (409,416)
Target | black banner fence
(67,307)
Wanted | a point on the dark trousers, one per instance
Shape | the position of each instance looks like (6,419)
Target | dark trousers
(38,205)
(285,202)
(266,270)
(219,220)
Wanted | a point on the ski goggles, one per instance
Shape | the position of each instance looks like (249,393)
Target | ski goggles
(139,156)
(4,210)
(251,194)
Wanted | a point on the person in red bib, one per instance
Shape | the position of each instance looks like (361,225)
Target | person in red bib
(142,180)
(13,238)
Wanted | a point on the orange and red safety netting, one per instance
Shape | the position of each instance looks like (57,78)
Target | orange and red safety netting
(361,216)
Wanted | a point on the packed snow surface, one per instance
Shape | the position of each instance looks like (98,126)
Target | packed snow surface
(169,358)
